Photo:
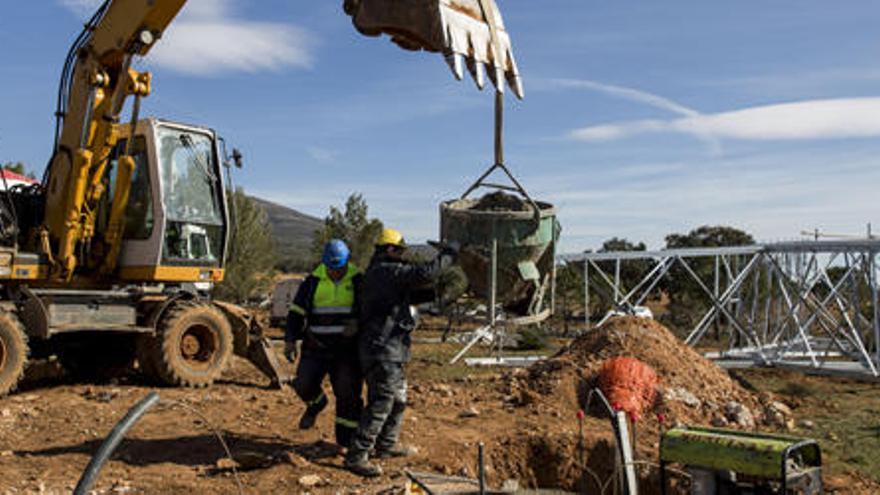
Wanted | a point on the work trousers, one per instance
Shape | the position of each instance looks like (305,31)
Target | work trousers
(380,423)
(346,381)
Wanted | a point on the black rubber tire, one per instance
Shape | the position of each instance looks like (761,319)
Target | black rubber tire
(97,356)
(13,352)
(193,345)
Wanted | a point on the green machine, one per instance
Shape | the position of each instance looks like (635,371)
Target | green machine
(732,462)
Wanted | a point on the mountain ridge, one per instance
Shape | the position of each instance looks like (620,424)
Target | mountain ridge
(293,230)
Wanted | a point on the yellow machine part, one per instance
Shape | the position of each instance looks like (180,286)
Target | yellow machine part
(171,274)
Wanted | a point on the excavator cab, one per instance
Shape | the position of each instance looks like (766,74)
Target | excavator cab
(176,219)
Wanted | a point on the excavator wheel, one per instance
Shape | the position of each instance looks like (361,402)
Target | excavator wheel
(192,346)
(13,352)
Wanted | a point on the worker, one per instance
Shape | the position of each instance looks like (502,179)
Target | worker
(387,316)
(323,317)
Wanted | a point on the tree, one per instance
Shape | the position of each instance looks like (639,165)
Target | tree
(710,236)
(251,254)
(570,280)
(569,290)
(632,271)
(353,226)
(687,301)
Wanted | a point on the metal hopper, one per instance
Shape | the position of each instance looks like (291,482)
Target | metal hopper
(523,235)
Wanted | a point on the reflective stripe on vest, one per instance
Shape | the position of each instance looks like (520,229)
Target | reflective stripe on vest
(332,310)
(327,329)
(332,302)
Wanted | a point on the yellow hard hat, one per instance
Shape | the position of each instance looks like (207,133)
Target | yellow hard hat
(391,237)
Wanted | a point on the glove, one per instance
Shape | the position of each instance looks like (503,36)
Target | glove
(451,248)
(290,350)
(449,254)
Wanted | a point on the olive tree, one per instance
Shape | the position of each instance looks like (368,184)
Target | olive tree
(353,225)
(252,251)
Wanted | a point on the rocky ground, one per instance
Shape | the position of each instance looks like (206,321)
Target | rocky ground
(527,420)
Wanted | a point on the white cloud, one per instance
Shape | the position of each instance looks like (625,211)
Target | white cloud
(607,133)
(813,119)
(216,46)
(630,94)
(209,39)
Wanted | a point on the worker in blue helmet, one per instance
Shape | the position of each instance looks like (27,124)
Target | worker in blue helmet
(323,318)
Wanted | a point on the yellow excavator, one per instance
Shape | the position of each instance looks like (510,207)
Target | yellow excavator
(110,259)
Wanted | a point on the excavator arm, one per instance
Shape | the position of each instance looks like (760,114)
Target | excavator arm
(93,95)
(97,81)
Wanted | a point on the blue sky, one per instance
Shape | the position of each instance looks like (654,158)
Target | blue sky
(640,118)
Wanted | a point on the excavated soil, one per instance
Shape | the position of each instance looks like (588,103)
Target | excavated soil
(692,389)
(501,201)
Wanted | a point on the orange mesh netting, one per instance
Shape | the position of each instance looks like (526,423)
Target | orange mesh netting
(629,384)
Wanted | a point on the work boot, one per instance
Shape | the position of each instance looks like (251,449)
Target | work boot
(307,420)
(395,451)
(363,467)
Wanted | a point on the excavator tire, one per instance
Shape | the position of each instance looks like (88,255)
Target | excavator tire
(13,352)
(193,345)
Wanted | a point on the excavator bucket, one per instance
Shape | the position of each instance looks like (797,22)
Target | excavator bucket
(252,344)
(468,33)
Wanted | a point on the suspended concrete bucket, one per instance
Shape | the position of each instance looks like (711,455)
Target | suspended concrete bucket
(524,234)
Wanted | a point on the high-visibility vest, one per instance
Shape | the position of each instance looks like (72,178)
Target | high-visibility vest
(332,303)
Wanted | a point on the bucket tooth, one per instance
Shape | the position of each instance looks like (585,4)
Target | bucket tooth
(478,72)
(496,75)
(516,84)
(456,64)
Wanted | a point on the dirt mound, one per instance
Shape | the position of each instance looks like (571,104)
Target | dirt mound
(501,201)
(691,391)
(692,388)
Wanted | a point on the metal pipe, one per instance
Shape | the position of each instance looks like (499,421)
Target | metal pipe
(87,120)
(553,283)
(716,293)
(587,294)
(499,126)
(482,466)
(493,282)
(112,442)
(616,282)
(135,115)
(872,267)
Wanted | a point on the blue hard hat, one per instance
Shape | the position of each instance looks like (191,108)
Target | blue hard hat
(336,254)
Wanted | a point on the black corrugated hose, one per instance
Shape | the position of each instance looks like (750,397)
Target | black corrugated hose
(112,441)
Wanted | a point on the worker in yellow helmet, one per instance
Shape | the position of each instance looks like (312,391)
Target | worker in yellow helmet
(390,289)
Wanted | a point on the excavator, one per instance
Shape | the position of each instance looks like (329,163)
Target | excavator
(110,259)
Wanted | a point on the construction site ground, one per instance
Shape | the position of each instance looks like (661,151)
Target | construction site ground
(49,430)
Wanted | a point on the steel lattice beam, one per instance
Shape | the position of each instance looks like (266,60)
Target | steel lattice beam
(777,303)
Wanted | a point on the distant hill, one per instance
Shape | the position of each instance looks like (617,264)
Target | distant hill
(294,231)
